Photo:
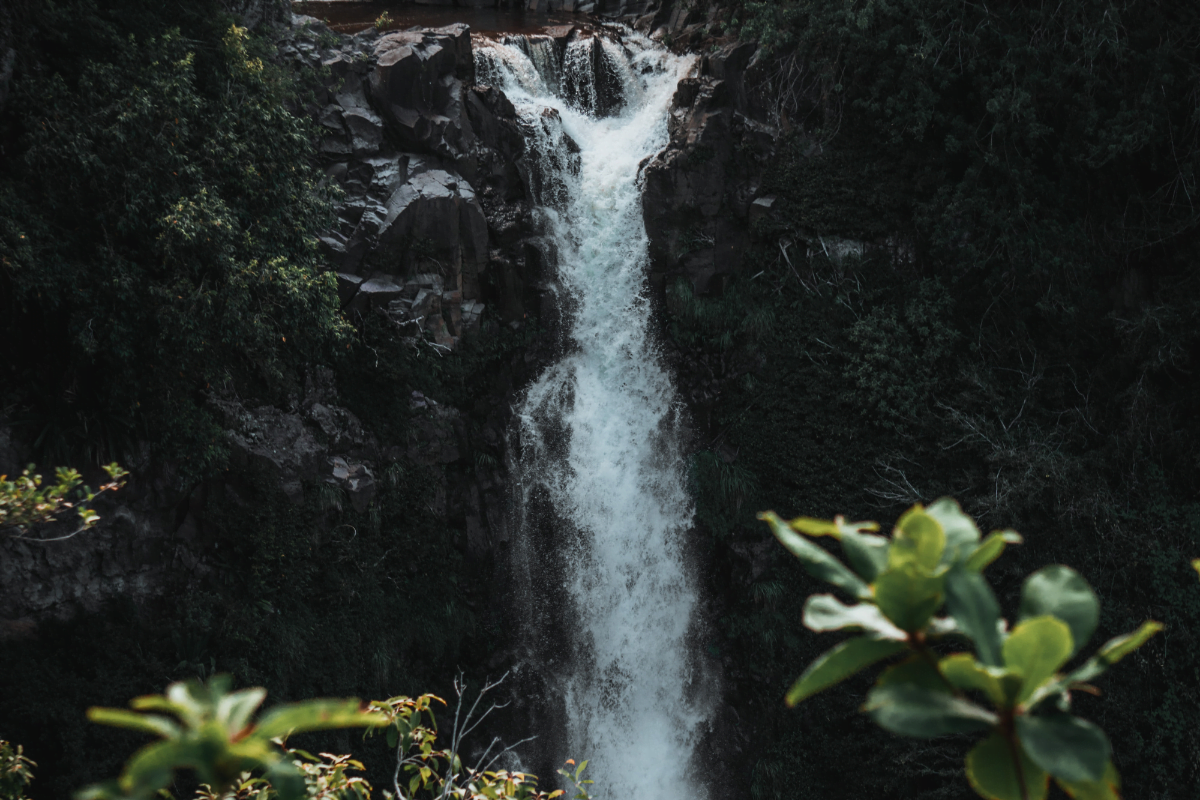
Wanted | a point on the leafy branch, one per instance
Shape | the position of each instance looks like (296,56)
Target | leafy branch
(29,501)
(422,771)
(1012,688)
(208,729)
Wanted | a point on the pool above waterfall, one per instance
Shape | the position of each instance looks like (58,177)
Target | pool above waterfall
(351,17)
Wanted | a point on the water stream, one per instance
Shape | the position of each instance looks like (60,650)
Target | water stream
(600,433)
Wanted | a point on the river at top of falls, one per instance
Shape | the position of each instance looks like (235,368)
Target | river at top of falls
(600,431)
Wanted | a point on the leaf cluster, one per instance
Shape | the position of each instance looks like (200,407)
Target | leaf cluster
(431,772)
(206,728)
(16,771)
(1013,687)
(29,500)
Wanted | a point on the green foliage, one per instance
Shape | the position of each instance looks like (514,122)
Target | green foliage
(326,777)
(931,562)
(206,728)
(424,771)
(1064,404)
(157,214)
(305,602)
(16,771)
(894,363)
(27,501)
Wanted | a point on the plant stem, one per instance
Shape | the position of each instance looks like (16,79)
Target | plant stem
(917,642)
(1006,730)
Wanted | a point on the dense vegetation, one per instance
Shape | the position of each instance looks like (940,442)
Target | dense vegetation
(158,211)
(1021,331)
(158,204)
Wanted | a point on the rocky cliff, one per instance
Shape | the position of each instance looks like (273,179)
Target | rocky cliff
(433,234)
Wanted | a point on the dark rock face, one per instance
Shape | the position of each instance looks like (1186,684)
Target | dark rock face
(417,83)
(434,176)
(254,13)
(701,189)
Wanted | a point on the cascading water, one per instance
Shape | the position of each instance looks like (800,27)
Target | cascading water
(600,431)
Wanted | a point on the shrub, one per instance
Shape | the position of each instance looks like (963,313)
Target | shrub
(936,557)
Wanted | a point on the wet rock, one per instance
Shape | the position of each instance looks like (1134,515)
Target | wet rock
(347,286)
(253,13)
(377,292)
(760,209)
(365,128)
(417,83)
(434,169)
(603,94)
(699,191)
(355,478)
(434,440)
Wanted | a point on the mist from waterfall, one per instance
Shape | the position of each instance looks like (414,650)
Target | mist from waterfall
(600,432)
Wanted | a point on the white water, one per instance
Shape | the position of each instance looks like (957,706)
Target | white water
(600,431)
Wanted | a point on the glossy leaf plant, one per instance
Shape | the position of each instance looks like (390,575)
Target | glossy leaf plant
(205,728)
(919,597)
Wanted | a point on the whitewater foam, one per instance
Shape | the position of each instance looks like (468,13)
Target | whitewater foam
(600,431)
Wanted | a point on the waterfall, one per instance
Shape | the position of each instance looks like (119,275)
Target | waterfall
(600,431)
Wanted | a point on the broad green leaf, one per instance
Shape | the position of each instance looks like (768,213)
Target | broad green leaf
(970,601)
(991,548)
(818,562)
(192,700)
(150,768)
(1067,747)
(149,723)
(287,781)
(915,671)
(1001,686)
(1113,651)
(916,711)
(1107,788)
(815,527)
(234,710)
(1117,648)
(109,790)
(1062,592)
(918,539)
(840,663)
(824,612)
(1036,649)
(315,715)
(866,552)
(837,528)
(962,535)
(156,702)
(908,596)
(992,771)
(258,749)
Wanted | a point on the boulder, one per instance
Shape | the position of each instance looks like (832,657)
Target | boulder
(434,169)
(417,84)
